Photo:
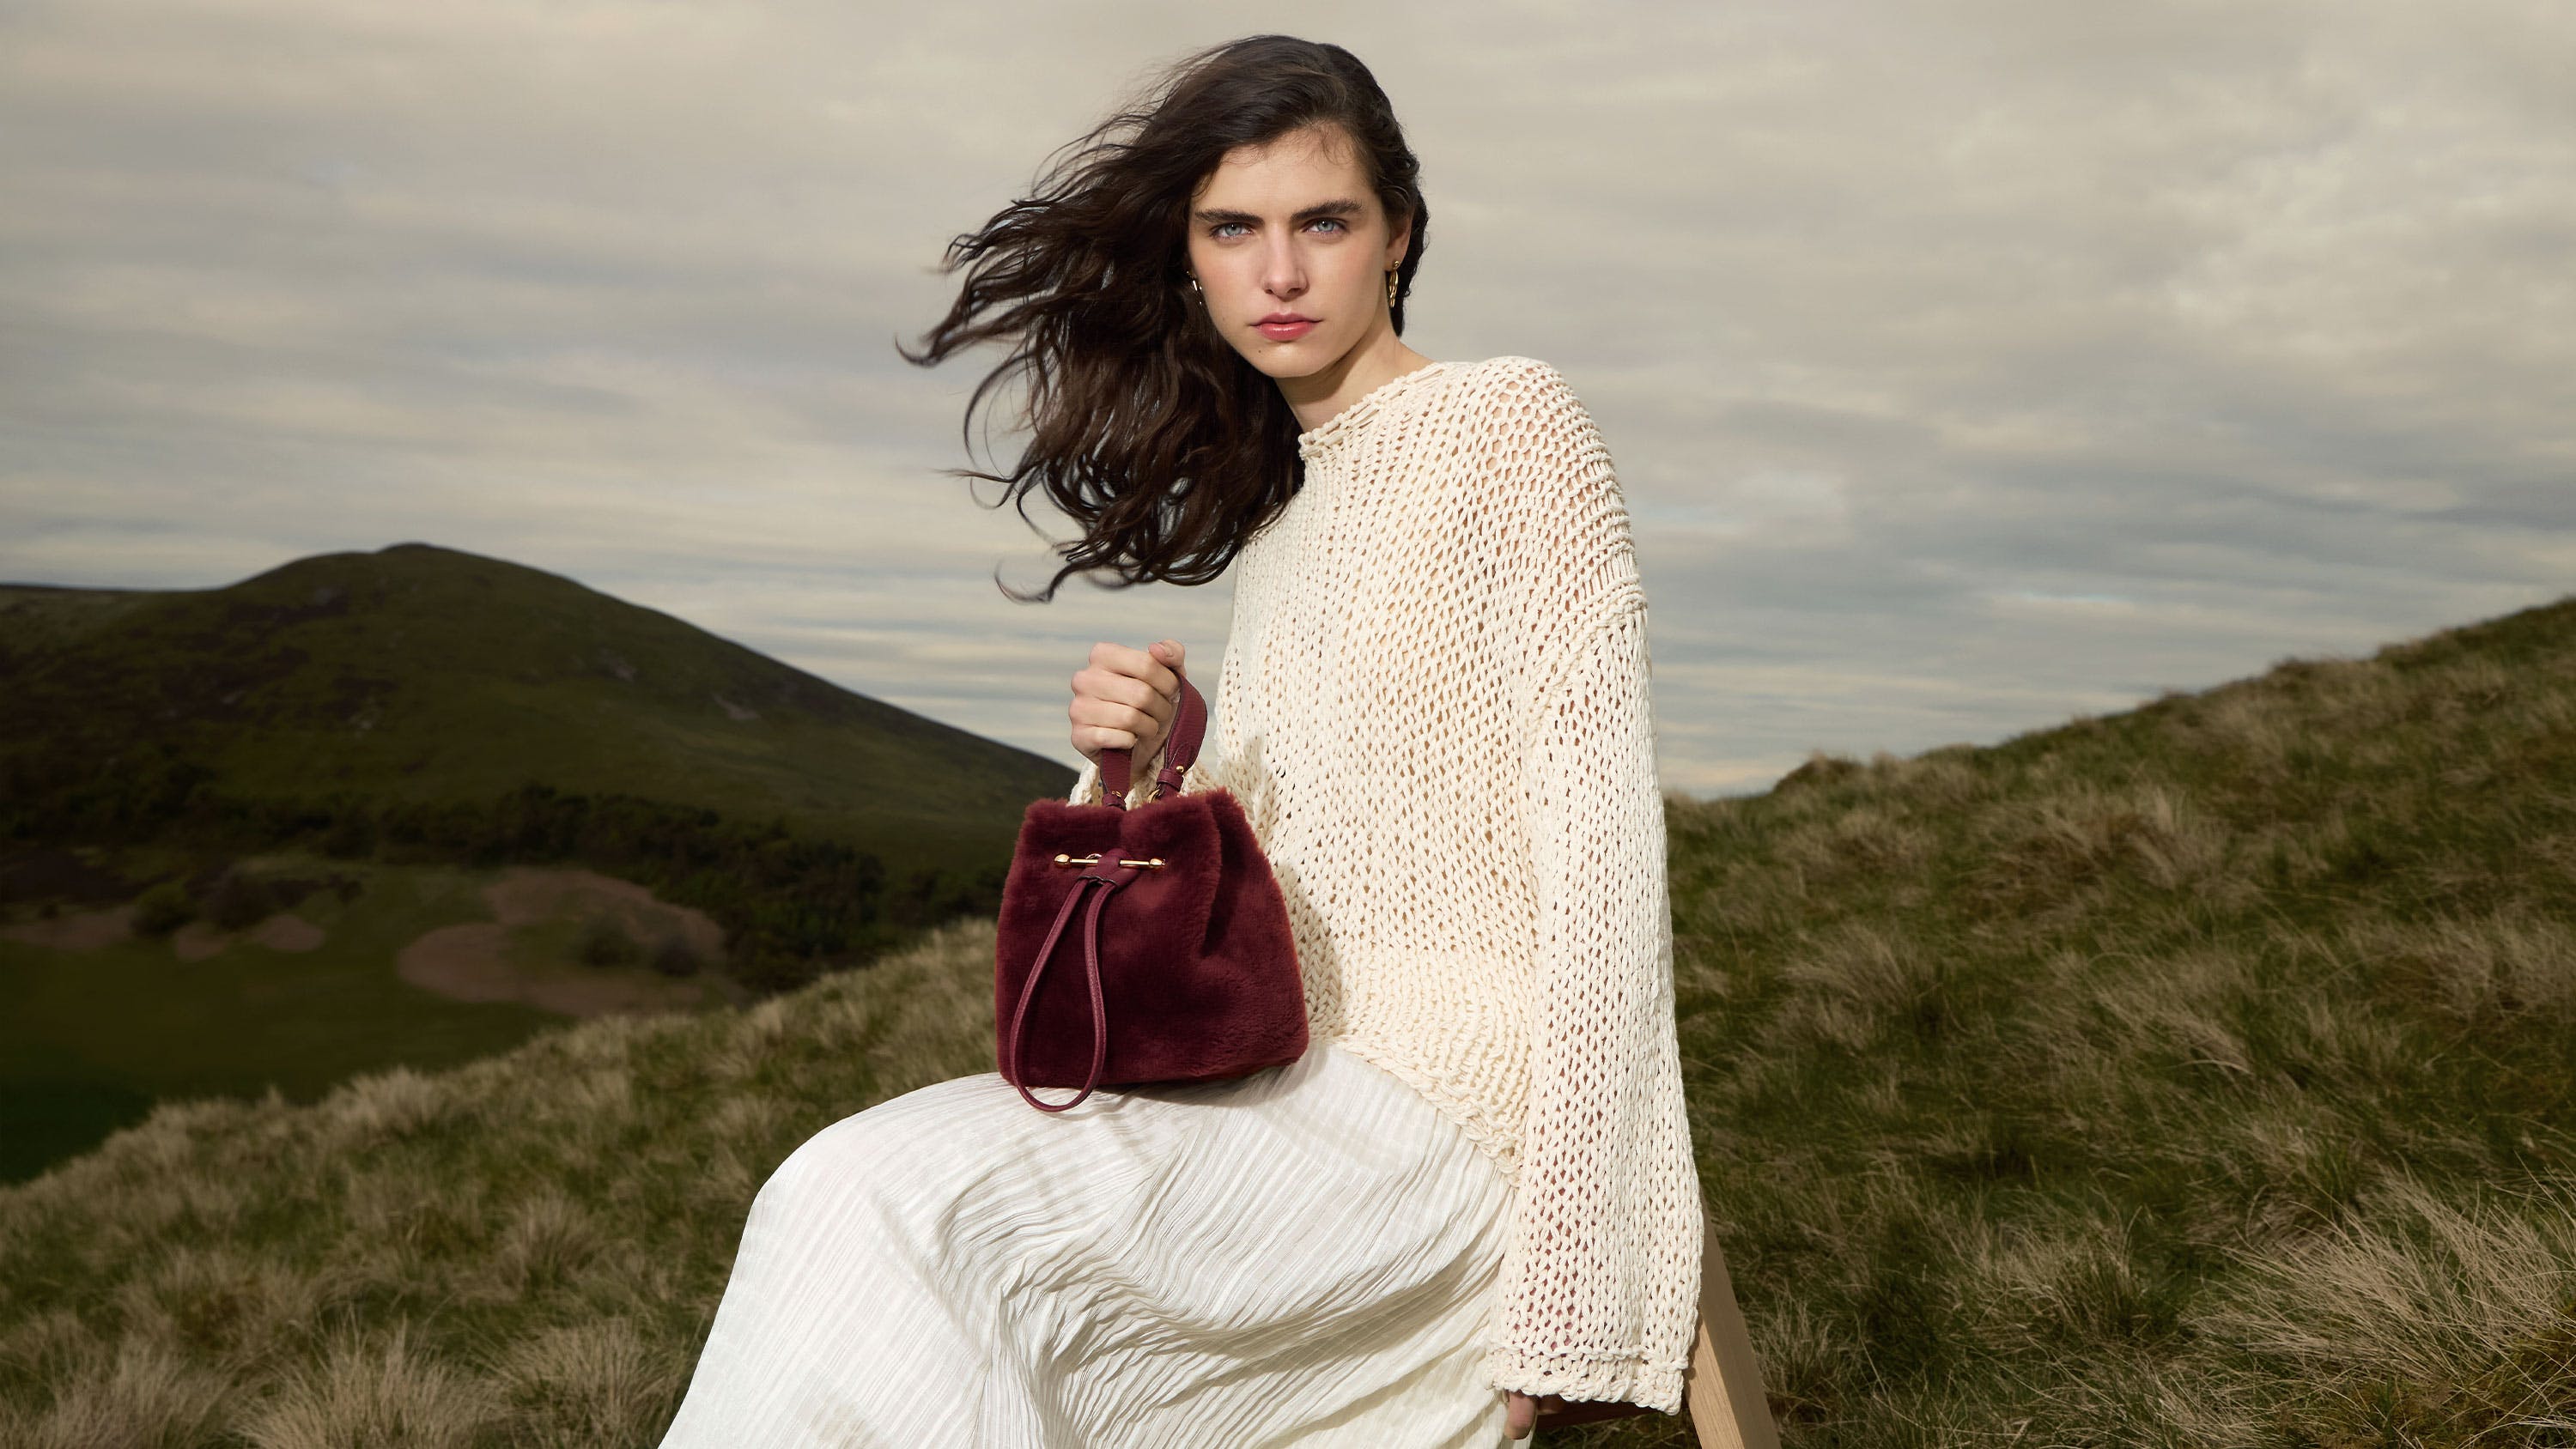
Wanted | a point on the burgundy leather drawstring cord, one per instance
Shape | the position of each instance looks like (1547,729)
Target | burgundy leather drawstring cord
(1109,884)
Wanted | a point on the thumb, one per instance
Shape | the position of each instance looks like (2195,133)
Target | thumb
(1169,651)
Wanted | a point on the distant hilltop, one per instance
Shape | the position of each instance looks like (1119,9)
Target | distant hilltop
(430,675)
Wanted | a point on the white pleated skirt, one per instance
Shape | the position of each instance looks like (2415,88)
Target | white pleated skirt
(1302,1256)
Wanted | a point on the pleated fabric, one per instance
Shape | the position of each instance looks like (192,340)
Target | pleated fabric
(1302,1256)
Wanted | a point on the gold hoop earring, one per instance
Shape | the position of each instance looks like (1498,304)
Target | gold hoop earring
(1390,287)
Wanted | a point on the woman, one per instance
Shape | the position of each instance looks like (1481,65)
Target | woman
(1476,1188)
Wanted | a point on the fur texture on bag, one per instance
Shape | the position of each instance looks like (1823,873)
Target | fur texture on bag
(1198,966)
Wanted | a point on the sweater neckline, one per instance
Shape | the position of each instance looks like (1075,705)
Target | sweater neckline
(1343,425)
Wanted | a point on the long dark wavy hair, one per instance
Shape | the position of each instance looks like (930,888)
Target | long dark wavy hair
(1147,428)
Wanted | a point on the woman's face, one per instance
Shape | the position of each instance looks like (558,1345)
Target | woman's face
(1294,228)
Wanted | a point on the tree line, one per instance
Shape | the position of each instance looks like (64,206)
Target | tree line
(792,906)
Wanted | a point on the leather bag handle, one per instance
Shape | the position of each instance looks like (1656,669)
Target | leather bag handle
(1189,727)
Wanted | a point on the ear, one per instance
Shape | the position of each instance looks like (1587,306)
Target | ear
(1399,238)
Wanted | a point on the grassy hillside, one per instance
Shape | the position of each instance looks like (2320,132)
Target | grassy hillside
(432,676)
(2199,1075)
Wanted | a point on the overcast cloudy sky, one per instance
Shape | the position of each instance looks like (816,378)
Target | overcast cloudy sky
(1967,365)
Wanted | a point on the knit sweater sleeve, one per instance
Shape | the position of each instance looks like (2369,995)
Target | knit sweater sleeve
(1599,1289)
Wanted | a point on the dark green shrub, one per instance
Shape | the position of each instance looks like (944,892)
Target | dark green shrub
(351,836)
(674,956)
(239,900)
(604,942)
(163,909)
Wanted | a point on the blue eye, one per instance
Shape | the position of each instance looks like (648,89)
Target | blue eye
(1219,228)
(1332,221)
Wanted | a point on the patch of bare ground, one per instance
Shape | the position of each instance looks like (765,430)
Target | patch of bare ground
(474,961)
(469,962)
(76,931)
(286,931)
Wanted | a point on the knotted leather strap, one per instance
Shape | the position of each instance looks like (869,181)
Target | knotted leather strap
(1118,875)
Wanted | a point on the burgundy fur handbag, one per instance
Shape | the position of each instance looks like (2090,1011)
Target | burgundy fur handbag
(1184,968)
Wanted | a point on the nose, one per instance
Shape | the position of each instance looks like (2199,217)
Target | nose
(1283,271)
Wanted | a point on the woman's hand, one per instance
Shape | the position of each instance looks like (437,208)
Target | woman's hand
(1125,699)
(1524,1415)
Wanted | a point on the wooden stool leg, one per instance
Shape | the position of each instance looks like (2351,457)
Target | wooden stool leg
(1724,1393)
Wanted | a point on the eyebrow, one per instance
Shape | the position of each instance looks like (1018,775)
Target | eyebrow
(1339,206)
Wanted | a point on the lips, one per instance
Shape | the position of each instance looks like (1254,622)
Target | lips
(1285,326)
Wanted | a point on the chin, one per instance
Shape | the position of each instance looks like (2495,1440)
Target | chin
(1294,359)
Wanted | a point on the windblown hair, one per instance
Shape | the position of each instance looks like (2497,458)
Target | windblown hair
(1147,428)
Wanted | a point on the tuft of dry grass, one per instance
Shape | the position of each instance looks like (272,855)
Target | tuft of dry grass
(381,1394)
(134,1395)
(580,1385)
(1855,981)
(2460,1301)
(2511,963)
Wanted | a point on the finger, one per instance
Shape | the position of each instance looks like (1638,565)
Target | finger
(1137,677)
(1159,665)
(1113,700)
(1095,742)
(1107,724)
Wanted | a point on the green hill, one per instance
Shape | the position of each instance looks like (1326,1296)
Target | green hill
(226,813)
(2196,1075)
(431,676)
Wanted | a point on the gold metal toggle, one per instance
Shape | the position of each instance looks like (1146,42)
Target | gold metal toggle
(1155,863)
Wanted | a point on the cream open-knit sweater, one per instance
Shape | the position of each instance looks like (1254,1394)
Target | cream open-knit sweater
(1434,708)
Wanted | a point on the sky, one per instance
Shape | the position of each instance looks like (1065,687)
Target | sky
(1967,366)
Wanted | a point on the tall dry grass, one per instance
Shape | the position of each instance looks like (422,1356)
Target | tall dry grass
(2204,1074)
(525,1251)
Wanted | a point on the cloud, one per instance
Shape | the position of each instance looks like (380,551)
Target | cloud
(1967,366)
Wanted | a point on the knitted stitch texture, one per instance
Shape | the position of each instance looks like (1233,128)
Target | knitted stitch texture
(1434,708)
